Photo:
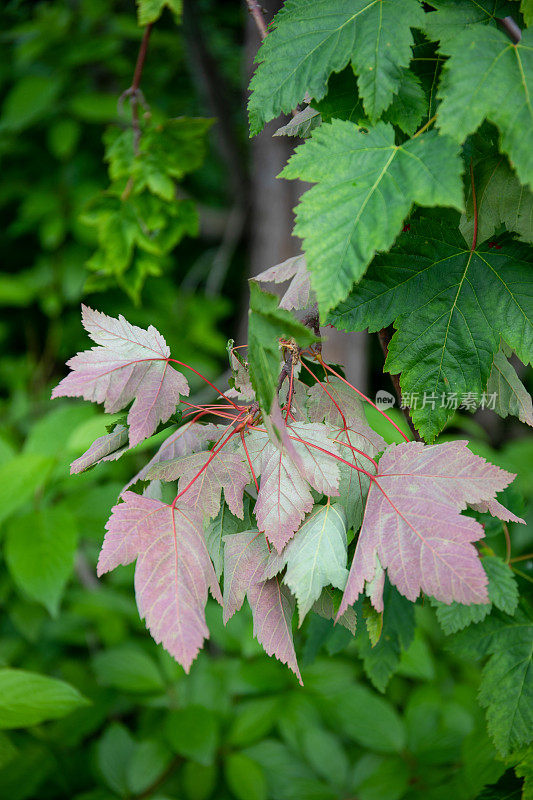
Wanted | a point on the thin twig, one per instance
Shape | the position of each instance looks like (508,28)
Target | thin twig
(507,543)
(255,10)
(426,126)
(134,91)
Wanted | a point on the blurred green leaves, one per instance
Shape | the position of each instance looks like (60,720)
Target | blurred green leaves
(27,698)
(141,218)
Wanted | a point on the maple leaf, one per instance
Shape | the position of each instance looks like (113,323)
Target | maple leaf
(224,471)
(245,558)
(173,571)
(106,448)
(223,524)
(188,439)
(149,11)
(450,18)
(357,439)
(502,590)
(284,496)
(497,90)
(342,101)
(512,396)
(129,364)
(501,200)
(307,43)
(413,525)
(325,607)
(450,306)
(506,687)
(315,557)
(301,124)
(272,609)
(326,399)
(366,186)
(298,294)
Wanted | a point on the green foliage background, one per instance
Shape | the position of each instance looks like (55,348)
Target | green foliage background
(90,707)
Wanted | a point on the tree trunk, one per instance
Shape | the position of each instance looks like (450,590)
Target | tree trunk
(272,219)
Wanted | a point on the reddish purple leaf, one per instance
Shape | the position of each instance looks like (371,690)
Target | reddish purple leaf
(497,510)
(298,294)
(413,527)
(186,440)
(272,607)
(129,364)
(284,495)
(225,471)
(245,558)
(105,448)
(173,571)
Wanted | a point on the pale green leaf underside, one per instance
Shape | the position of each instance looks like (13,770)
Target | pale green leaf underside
(310,40)
(450,307)
(366,186)
(316,556)
(500,89)
(512,396)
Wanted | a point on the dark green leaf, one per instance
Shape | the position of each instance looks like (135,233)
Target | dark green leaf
(450,305)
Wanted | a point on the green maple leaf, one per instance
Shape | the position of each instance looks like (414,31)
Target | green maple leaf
(342,101)
(499,88)
(511,396)
(310,40)
(451,17)
(366,186)
(506,689)
(449,305)
(149,11)
(526,7)
(501,200)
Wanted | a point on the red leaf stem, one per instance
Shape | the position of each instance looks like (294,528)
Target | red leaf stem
(368,400)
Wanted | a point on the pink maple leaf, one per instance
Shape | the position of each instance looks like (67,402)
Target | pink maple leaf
(245,558)
(190,438)
(129,363)
(173,571)
(284,497)
(224,471)
(413,527)
(298,294)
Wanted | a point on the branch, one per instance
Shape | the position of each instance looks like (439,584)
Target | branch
(134,92)
(255,10)
(384,339)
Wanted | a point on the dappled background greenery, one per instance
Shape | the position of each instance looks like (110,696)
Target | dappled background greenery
(239,725)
